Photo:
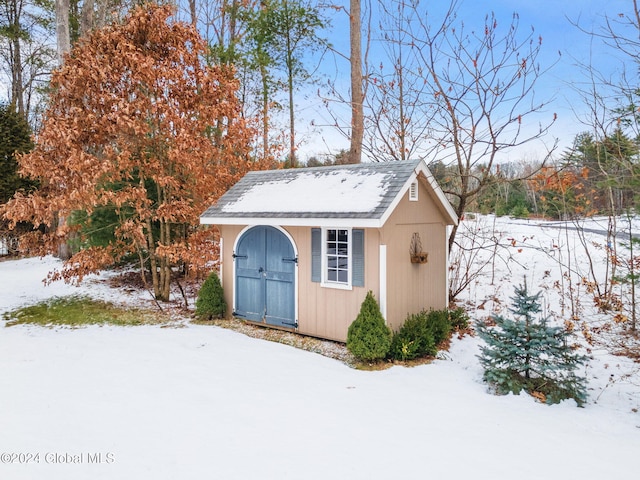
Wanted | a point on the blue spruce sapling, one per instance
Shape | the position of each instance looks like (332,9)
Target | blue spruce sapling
(528,353)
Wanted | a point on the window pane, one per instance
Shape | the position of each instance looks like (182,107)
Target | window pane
(337,251)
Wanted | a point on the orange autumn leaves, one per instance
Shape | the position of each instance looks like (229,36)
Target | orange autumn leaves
(137,123)
(564,190)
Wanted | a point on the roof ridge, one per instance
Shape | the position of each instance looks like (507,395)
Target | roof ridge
(347,166)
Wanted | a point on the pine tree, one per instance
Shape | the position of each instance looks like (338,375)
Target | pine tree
(528,353)
(15,138)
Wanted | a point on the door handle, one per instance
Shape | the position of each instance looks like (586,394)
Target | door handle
(260,270)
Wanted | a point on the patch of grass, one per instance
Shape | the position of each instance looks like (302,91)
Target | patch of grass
(78,311)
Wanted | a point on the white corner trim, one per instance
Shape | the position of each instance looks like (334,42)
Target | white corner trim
(383,281)
(221,261)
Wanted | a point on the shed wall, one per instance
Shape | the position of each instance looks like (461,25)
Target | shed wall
(229,234)
(328,312)
(412,287)
(322,312)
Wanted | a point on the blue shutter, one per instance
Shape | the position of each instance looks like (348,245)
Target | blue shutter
(316,255)
(357,258)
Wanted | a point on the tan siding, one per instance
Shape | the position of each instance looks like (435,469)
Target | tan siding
(328,312)
(413,287)
(229,233)
(322,312)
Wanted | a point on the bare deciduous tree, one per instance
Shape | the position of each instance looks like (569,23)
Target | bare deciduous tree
(397,128)
(613,121)
(477,95)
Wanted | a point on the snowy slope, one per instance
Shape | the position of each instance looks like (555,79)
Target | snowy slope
(205,402)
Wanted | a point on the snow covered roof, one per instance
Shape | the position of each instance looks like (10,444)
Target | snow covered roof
(350,195)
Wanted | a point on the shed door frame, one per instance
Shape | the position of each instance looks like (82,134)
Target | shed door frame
(295,252)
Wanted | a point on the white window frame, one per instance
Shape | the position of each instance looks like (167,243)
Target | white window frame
(325,282)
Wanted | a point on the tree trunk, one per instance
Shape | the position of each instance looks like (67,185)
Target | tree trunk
(265,110)
(290,75)
(193,13)
(15,57)
(357,96)
(632,274)
(153,263)
(454,229)
(233,31)
(105,11)
(63,38)
(63,41)
(86,18)
(292,126)
(401,105)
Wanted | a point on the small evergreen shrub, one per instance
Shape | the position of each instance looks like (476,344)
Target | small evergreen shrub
(501,209)
(459,319)
(519,211)
(210,302)
(413,340)
(369,337)
(421,333)
(439,325)
(528,354)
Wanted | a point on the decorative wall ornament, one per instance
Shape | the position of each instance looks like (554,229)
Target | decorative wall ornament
(415,250)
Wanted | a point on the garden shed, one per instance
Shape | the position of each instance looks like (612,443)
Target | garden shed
(300,248)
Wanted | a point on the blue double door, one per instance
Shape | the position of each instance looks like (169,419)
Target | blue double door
(265,277)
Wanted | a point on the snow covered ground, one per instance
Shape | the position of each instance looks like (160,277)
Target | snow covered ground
(204,402)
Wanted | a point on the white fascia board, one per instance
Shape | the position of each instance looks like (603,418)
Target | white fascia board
(294,222)
(441,196)
(420,168)
(423,169)
(396,200)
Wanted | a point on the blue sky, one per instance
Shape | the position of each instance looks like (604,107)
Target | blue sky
(550,19)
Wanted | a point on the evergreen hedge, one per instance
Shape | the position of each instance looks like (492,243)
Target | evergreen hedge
(421,333)
(459,319)
(414,339)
